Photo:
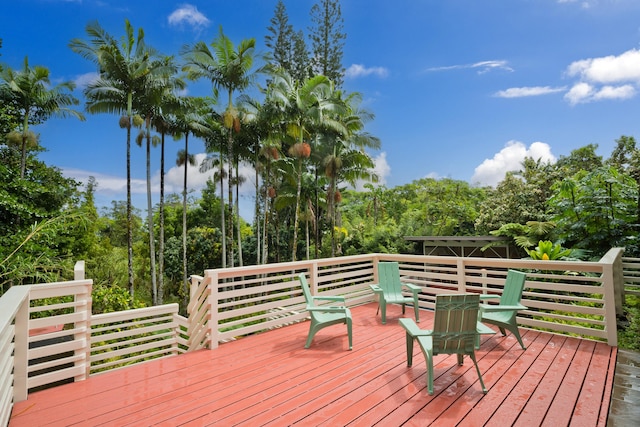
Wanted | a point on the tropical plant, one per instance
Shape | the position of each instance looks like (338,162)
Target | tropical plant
(306,108)
(230,69)
(327,40)
(29,94)
(548,251)
(125,68)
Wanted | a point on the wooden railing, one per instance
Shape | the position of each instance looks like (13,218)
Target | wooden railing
(47,333)
(631,269)
(567,297)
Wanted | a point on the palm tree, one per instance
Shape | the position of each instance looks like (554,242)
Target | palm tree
(346,159)
(124,70)
(28,91)
(307,106)
(263,148)
(156,99)
(211,131)
(229,69)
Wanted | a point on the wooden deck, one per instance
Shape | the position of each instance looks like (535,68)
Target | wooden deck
(270,379)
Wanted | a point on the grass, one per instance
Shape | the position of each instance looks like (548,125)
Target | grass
(629,326)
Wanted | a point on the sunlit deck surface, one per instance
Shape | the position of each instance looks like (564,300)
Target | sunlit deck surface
(270,379)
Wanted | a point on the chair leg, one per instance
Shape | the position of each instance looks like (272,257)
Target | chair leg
(312,332)
(514,330)
(473,357)
(416,309)
(409,350)
(349,328)
(429,358)
(383,309)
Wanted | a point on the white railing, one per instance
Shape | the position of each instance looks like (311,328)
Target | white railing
(126,337)
(631,268)
(47,333)
(567,297)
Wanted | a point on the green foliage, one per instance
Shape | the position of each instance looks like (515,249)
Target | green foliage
(629,332)
(596,210)
(108,299)
(327,40)
(548,251)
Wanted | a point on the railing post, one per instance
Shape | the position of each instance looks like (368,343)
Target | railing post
(613,257)
(613,282)
(78,271)
(462,281)
(79,274)
(212,304)
(484,280)
(618,282)
(21,349)
(86,336)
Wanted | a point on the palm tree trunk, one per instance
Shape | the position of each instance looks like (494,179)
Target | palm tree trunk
(185,279)
(238,216)
(152,245)
(222,215)
(161,236)
(297,215)
(129,213)
(230,193)
(23,149)
(256,215)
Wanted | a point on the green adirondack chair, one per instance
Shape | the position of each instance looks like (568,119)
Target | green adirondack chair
(455,328)
(389,290)
(324,315)
(503,315)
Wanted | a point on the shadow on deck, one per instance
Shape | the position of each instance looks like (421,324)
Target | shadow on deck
(270,379)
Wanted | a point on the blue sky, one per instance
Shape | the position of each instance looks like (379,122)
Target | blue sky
(463,89)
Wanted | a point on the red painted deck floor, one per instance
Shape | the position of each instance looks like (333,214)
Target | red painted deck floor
(270,379)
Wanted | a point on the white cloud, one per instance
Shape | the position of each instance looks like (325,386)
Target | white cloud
(585,4)
(188,14)
(584,92)
(111,187)
(510,158)
(84,80)
(607,77)
(519,92)
(608,69)
(359,70)
(381,168)
(482,66)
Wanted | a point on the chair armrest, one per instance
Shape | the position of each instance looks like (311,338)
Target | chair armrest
(489,296)
(412,287)
(328,309)
(495,308)
(482,329)
(329,298)
(375,288)
(413,329)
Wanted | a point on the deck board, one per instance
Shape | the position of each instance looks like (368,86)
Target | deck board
(270,379)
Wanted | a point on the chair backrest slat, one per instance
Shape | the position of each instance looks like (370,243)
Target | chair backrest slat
(455,319)
(389,278)
(306,291)
(513,287)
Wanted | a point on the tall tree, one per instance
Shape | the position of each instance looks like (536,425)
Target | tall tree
(327,40)
(345,158)
(626,157)
(156,100)
(280,38)
(306,108)
(125,67)
(230,69)
(30,95)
